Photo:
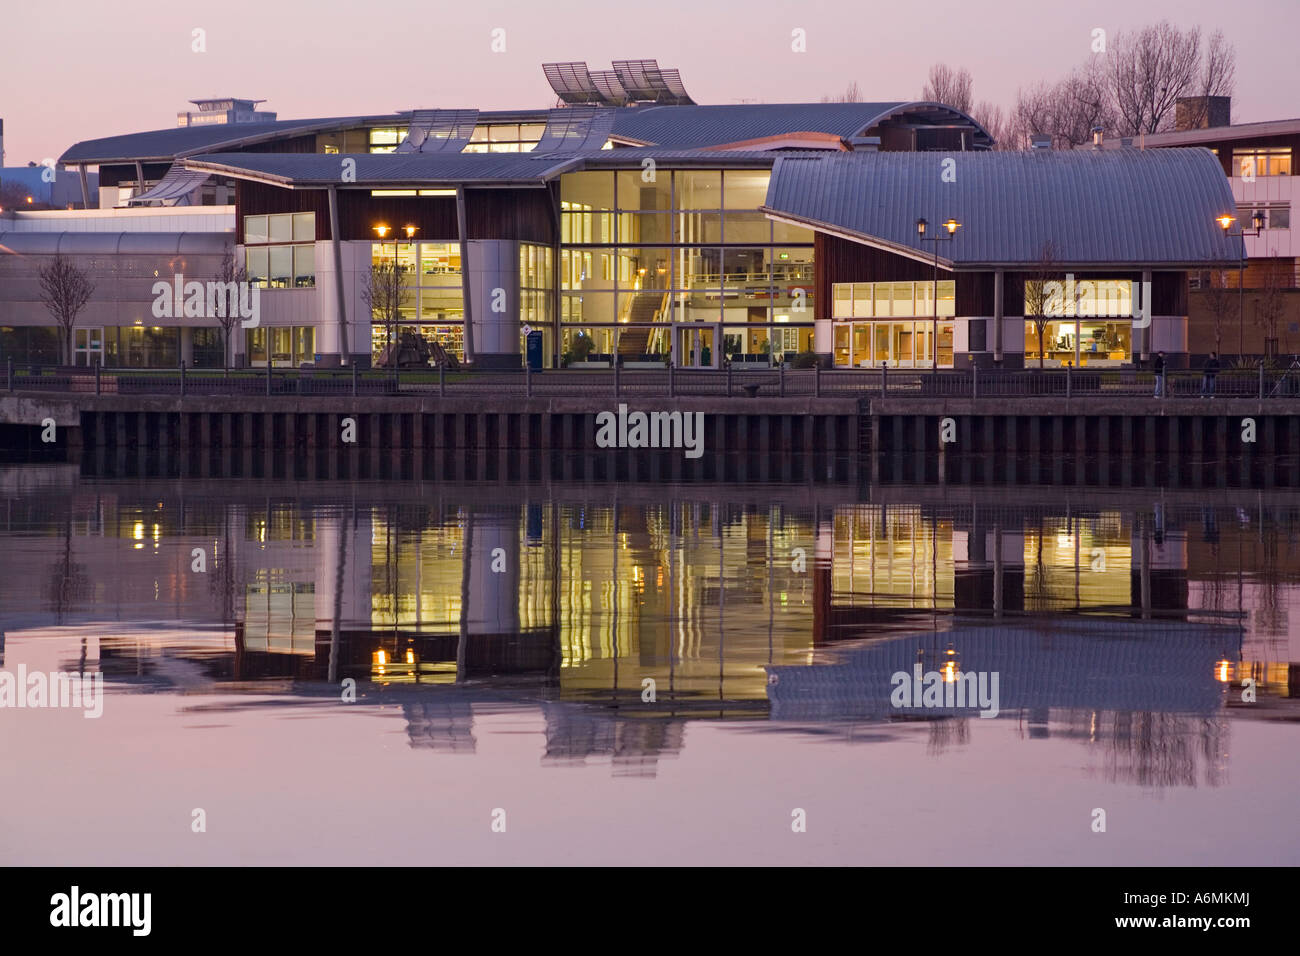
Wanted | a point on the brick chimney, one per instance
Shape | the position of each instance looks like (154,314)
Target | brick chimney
(1202,112)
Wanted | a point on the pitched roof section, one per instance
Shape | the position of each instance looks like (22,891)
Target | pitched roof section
(385,169)
(1099,207)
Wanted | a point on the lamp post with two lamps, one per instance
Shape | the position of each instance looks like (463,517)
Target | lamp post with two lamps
(950,227)
(1225,223)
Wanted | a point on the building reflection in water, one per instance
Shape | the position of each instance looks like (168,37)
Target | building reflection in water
(575,596)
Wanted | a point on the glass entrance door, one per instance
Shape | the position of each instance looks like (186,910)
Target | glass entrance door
(696,345)
(88,347)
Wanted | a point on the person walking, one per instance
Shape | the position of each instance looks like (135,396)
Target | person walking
(1158,365)
(1212,366)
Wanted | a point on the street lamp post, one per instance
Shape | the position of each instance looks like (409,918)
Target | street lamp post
(1225,223)
(950,226)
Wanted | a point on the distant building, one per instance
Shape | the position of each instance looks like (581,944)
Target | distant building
(56,187)
(228,110)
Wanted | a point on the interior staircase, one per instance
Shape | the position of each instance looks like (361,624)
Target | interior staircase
(646,308)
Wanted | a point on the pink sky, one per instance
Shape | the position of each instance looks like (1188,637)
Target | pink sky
(99,70)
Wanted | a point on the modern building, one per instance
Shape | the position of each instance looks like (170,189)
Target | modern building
(1253,306)
(227,110)
(630,223)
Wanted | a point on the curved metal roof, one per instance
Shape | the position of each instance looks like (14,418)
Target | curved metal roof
(386,169)
(687,127)
(1102,207)
(164,145)
(671,127)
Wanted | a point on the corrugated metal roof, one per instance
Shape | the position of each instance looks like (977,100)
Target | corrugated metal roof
(674,127)
(1106,665)
(680,127)
(1097,206)
(164,144)
(387,169)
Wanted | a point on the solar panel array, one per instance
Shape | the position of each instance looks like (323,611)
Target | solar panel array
(439,131)
(631,81)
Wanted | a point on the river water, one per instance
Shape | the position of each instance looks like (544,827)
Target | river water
(440,672)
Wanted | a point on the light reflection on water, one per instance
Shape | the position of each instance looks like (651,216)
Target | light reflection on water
(498,632)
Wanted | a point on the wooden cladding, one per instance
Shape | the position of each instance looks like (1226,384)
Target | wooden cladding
(434,217)
(259,199)
(523,214)
(840,260)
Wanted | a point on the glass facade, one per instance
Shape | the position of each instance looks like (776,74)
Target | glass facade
(1089,322)
(537,294)
(432,302)
(31,345)
(1101,342)
(643,250)
(136,346)
(900,331)
(280,250)
(289,347)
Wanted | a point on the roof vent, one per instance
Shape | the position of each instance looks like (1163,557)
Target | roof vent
(865,144)
(1040,141)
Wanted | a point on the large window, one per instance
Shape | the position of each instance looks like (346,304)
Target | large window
(1104,342)
(646,248)
(431,303)
(875,299)
(1262,161)
(280,250)
(142,346)
(536,292)
(288,347)
(505,137)
(1276,215)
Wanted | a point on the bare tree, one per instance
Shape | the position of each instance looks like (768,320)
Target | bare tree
(852,94)
(995,121)
(65,289)
(229,272)
(1222,304)
(949,86)
(1150,70)
(1068,110)
(386,293)
(14,195)
(1039,295)
(1269,303)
